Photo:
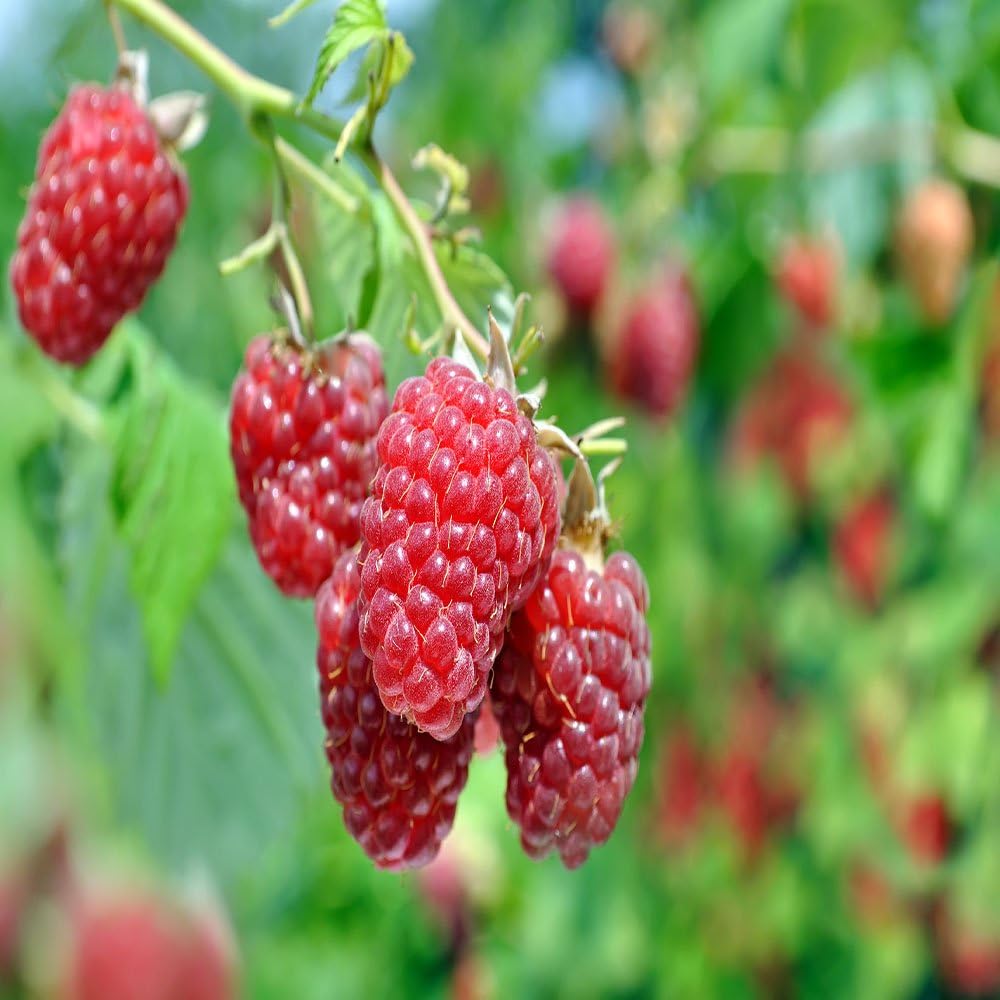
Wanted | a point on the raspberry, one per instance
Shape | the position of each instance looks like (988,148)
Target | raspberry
(862,547)
(795,414)
(581,254)
(807,279)
(569,692)
(934,238)
(102,218)
(656,347)
(681,795)
(926,828)
(398,786)
(122,949)
(968,950)
(302,437)
(459,528)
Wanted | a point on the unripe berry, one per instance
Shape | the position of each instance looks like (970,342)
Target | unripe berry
(934,238)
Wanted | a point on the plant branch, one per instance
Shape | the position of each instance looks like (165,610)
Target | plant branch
(450,310)
(250,93)
(316,176)
(255,97)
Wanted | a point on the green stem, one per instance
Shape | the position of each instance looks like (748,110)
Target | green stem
(316,176)
(451,311)
(255,97)
(250,93)
(77,411)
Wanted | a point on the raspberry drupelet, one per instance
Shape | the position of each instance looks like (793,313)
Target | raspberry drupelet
(459,528)
(102,218)
(569,691)
(398,786)
(302,436)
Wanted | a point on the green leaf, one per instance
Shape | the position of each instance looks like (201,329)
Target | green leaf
(356,24)
(474,279)
(211,767)
(348,243)
(172,495)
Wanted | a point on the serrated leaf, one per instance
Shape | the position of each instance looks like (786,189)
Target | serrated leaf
(209,768)
(357,23)
(172,496)
(348,241)
(476,281)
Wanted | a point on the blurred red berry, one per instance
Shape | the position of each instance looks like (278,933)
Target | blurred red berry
(862,547)
(102,218)
(581,254)
(870,894)
(794,414)
(206,959)
(458,530)
(654,353)
(934,238)
(807,279)
(123,948)
(302,430)
(968,954)
(926,828)
(682,787)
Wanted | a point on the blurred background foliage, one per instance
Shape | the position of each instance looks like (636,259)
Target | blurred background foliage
(818,804)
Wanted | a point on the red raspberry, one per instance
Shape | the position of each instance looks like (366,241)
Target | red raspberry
(122,949)
(807,279)
(681,787)
(398,786)
(862,547)
(102,218)
(925,826)
(795,414)
(968,951)
(459,528)
(581,254)
(569,692)
(655,351)
(302,437)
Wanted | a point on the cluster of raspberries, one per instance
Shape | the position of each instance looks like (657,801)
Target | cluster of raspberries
(461,588)
(430,532)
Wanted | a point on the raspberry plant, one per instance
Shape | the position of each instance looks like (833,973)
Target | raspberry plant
(789,285)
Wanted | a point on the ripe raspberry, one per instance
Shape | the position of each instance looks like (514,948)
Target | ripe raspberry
(569,692)
(122,949)
(459,528)
(795,414)
(681,787)
(807,279)
(934,238)
(581,254)
(655,350)
(862,547)
(755,787)
(398,786)
(926,828)
(968,951)
(302,437)
(102,218)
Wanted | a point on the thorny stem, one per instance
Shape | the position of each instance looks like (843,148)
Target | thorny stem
(255,97)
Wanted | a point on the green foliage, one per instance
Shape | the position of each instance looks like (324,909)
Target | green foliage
(171,492)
